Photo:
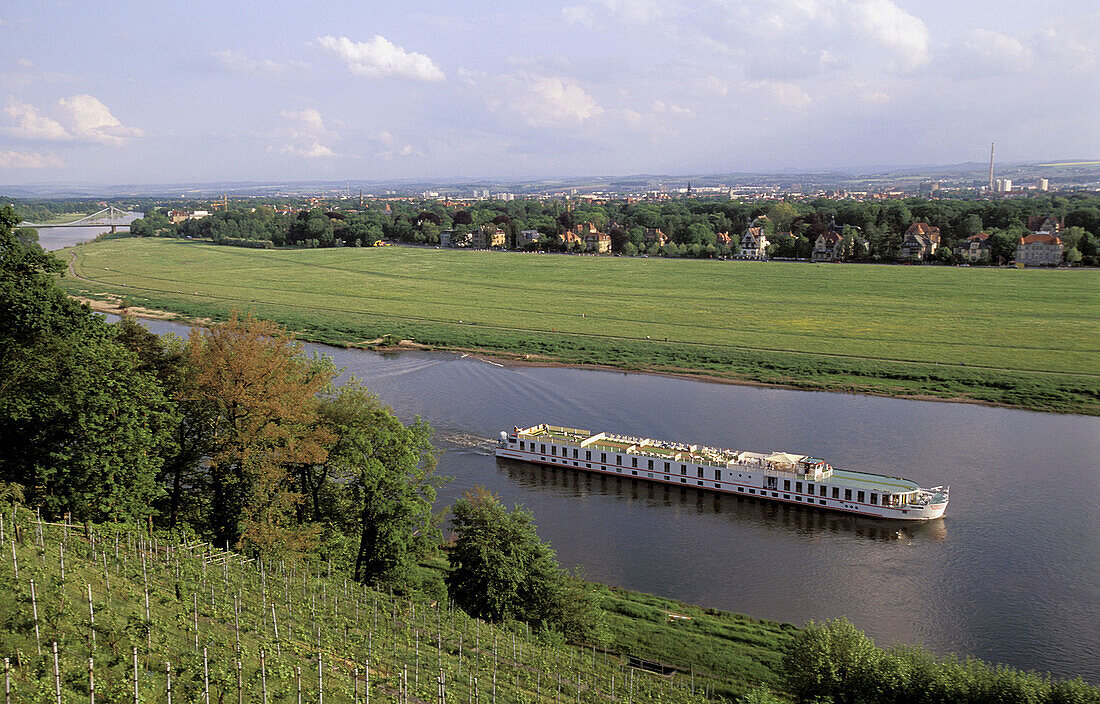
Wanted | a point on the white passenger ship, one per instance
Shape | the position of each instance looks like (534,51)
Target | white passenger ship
(779,476)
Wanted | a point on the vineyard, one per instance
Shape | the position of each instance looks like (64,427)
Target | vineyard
(103,614)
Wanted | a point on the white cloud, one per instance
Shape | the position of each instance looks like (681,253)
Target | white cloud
(381,58)
(392,146)
(787,96)
(638,11)
(307,121)
(316,150)
(90,119)
(578,14)
(29,160)
(25,63)
(235,61)
(547,101)
(993,52)
(884,23)
(30,125)
(671,109)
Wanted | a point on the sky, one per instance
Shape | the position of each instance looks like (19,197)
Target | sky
(148,92)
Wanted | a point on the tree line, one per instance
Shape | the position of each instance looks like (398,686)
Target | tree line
(694,227)
(237,436)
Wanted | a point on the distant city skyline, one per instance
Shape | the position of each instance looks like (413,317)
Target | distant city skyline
(138,93)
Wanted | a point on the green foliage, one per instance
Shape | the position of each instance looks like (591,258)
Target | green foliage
(500,570)
(835,662)
(80,425)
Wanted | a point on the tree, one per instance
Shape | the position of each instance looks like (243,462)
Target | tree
(831,661)
(389,471)
(1073,255)
(80,425)
(261,393)
(499,570)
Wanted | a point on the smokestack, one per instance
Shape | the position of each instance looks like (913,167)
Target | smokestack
(991,145)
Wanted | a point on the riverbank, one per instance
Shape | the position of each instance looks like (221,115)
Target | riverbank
(1026,346)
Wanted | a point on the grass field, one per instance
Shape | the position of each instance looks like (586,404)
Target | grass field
(1026,338)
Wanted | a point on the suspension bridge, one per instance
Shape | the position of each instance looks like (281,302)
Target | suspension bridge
(110,217)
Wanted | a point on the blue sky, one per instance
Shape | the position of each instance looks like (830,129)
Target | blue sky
(149,92)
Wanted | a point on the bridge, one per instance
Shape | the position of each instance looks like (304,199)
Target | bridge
(110,217)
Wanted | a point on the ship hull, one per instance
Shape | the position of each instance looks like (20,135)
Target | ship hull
(733,479)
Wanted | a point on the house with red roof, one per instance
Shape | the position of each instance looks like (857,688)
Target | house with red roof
(1039,249)
(974,248)
(920,242)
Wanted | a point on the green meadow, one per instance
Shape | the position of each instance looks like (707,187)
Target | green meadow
(1025,338)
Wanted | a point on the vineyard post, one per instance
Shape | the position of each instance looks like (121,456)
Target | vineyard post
(106,574)
(275,625)
(168,680)
(91,681)
(61,553)
(366,681)
(298,679)
(205,677)
(320,680)
(263,674)
(7,680)
(56,674)
(237,620)
(91,616)
(355,685)
(34,609)
(240,685)
(136,700)
(195,596)
(14,560)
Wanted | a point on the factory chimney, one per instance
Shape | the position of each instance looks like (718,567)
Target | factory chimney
(991,145)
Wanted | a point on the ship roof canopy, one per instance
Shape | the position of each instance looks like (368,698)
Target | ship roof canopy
(784,457)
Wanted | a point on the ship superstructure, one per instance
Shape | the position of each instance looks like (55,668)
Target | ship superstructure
(776,476)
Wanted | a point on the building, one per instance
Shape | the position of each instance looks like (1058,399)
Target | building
(177,216)
(489,237)
(527,237)
(1043,184)
(1040,249)
(828,247)
(1044,224)
(754,244)
(920,242)
(974,249)
(1003,185)
(654,235)
(722,238)
(594,240)
(569,237)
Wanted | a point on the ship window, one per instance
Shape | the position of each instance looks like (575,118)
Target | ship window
(683,469)
(650,464)
(574,453)
(699,471)
(822,490)
(810,489)
(821,501)
(553,449)
(717,474)
(521,445)
(798,487)
(667,467)
(847,494)
(874,498)
(586,464)
(683,481)
(649,474)
(836,493)
(859,496)
(634,472)
(786,496)
(633,461)
(717,486)
(603,458)
(543,446)
(576,464)
(618,459)
(775,495)
(588,454)
(699,483)
(752,491)
(786,485)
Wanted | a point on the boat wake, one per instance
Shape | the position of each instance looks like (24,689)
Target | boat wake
(468,442)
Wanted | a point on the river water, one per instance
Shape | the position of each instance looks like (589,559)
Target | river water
(54,238)
(1011,574)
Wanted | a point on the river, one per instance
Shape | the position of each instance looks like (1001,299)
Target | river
(55,238)
(1011,574)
